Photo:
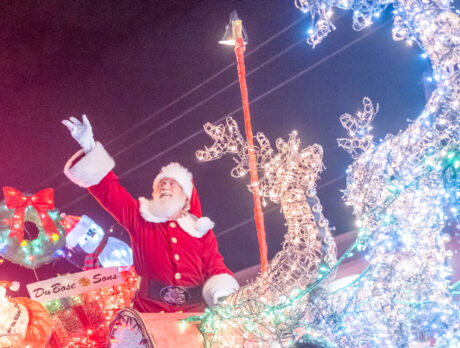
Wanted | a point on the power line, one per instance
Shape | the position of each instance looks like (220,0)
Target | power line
(197,105)
(204,101)
(148,118)
(272,209)
(178,99)
(263,95)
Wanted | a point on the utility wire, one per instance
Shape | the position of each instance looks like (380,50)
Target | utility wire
(148,118)
(196,106)
(189,110)
(272,209)
(183,96)
(263,95)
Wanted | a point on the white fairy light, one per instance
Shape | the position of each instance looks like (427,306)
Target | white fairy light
(403,191)
(308,242)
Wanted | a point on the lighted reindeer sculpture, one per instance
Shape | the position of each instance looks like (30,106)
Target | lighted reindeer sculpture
(264,307)
(403,191)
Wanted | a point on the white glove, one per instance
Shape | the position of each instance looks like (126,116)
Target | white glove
(219,295)
(81,132)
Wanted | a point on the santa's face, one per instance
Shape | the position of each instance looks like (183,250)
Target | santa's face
(169,199)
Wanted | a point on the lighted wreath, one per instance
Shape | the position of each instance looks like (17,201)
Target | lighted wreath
(15,211)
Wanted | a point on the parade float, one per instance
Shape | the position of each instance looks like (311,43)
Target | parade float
(404,194)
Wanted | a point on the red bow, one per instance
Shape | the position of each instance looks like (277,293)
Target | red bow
(41,201)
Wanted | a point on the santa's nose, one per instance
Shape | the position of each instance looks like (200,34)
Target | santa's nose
(165,186)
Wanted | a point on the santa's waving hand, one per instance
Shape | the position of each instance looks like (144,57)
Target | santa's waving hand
(82,132)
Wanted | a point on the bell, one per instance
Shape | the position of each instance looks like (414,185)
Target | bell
(229,36)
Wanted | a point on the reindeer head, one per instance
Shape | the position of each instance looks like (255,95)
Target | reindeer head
(290,168)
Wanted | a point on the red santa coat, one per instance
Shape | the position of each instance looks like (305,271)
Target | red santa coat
(163,252)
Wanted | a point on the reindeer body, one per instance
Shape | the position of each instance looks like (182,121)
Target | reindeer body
(290,180)
(402,191)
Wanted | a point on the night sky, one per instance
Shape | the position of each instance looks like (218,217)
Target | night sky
(127,64)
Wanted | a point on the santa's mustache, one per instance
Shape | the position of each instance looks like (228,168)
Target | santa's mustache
(165,208)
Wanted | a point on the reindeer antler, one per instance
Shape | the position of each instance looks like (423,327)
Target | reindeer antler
(289,168)
(227,139)
(359,128)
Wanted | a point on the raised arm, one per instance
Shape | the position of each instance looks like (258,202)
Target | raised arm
(91,168)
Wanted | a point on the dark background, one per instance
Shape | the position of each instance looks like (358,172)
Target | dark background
(123,62)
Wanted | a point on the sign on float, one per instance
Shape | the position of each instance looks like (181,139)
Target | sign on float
(74,284)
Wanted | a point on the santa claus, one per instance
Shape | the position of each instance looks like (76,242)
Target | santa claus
(175,251)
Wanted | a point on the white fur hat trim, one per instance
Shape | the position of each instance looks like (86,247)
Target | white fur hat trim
(175,171)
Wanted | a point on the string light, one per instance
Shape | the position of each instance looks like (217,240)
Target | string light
(98,307)
(403,190)
(271,304)
(30,253)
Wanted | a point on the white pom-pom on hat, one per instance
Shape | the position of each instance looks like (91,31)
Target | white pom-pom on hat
(204,224)
(196,227)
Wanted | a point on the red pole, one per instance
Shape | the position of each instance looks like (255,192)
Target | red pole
(258,213)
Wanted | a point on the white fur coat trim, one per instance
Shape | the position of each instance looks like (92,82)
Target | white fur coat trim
(189,223)
(91,168)
(221,284)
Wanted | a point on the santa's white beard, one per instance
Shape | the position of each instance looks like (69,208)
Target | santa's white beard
(166,207)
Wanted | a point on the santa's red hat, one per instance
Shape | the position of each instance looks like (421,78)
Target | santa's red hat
(184,178)
(203,224)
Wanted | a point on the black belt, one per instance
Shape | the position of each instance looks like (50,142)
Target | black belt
(170,294)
